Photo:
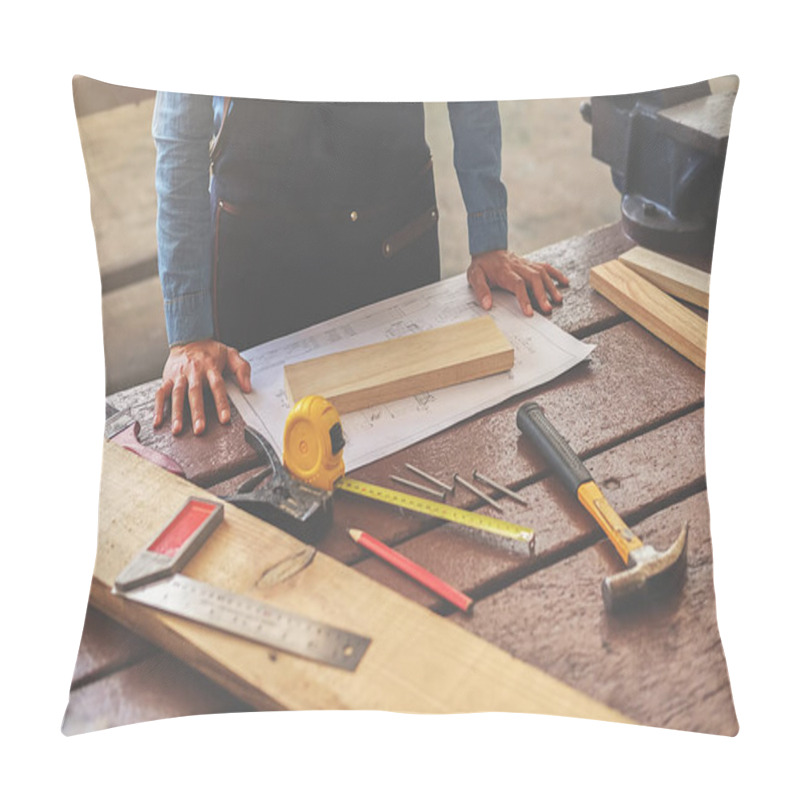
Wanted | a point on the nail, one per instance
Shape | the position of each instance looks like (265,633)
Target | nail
(489,482)
(430,478)
(419,487)
(478,492)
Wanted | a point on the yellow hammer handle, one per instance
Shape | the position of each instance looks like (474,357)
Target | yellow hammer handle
(572,472)
(593,500)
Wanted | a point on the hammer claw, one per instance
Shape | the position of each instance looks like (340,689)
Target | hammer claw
(651,574)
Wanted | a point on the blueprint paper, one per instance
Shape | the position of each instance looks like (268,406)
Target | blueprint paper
(542,351)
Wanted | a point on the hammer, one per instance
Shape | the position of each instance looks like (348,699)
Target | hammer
(649,572)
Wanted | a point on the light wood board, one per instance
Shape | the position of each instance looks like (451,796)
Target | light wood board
(652,308)
(417,661)
(675,278)
(421,362)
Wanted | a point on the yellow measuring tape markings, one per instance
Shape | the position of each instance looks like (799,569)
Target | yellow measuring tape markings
(517,536)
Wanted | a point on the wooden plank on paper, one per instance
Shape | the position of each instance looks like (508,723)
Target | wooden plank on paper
(417,661)
(420,362)
(664,317)
(675,278)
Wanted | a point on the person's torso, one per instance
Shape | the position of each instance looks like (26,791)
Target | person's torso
(342,153)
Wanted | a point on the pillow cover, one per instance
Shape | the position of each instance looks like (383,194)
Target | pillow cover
(628,180)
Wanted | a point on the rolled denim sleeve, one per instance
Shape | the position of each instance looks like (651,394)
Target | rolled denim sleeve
(182,128)
(477,145)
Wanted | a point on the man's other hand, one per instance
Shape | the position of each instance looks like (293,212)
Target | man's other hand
(506,270)
(188,369)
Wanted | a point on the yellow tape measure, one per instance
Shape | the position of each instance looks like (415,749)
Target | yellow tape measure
(518,536)
(313,442)
(313,446)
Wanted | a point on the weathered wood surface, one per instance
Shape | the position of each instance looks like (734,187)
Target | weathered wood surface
(663,666)
(158,687)
(121,679)
(105,648)
(634,413)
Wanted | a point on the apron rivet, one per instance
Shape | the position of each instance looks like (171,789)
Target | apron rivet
(354,215)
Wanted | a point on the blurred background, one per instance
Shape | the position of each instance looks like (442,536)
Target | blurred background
(555,188)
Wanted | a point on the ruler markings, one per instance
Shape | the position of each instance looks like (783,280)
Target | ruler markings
(252,619)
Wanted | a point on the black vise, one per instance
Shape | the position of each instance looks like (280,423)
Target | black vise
(666,150)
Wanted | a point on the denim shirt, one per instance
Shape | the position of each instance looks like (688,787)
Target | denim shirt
(184,125)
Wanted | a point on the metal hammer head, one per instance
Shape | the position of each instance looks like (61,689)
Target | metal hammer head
(649,573)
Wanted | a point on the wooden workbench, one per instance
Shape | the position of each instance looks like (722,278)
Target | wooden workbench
(633,412)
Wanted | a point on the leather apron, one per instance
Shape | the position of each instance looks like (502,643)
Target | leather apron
(319,208)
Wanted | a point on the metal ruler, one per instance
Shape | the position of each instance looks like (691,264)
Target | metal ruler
(251,619)
(152,578)
(517,537)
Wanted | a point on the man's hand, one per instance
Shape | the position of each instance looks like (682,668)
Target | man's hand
(506,270)
(189,367)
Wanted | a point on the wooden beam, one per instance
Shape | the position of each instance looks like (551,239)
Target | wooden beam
(421,362)
(675,278)
(417,661)
(655,310)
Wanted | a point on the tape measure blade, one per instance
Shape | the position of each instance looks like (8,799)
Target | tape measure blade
(253,620)
(517,537)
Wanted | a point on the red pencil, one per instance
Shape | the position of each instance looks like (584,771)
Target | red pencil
(413,570)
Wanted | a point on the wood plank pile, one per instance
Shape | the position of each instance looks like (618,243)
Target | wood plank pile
(644,284)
